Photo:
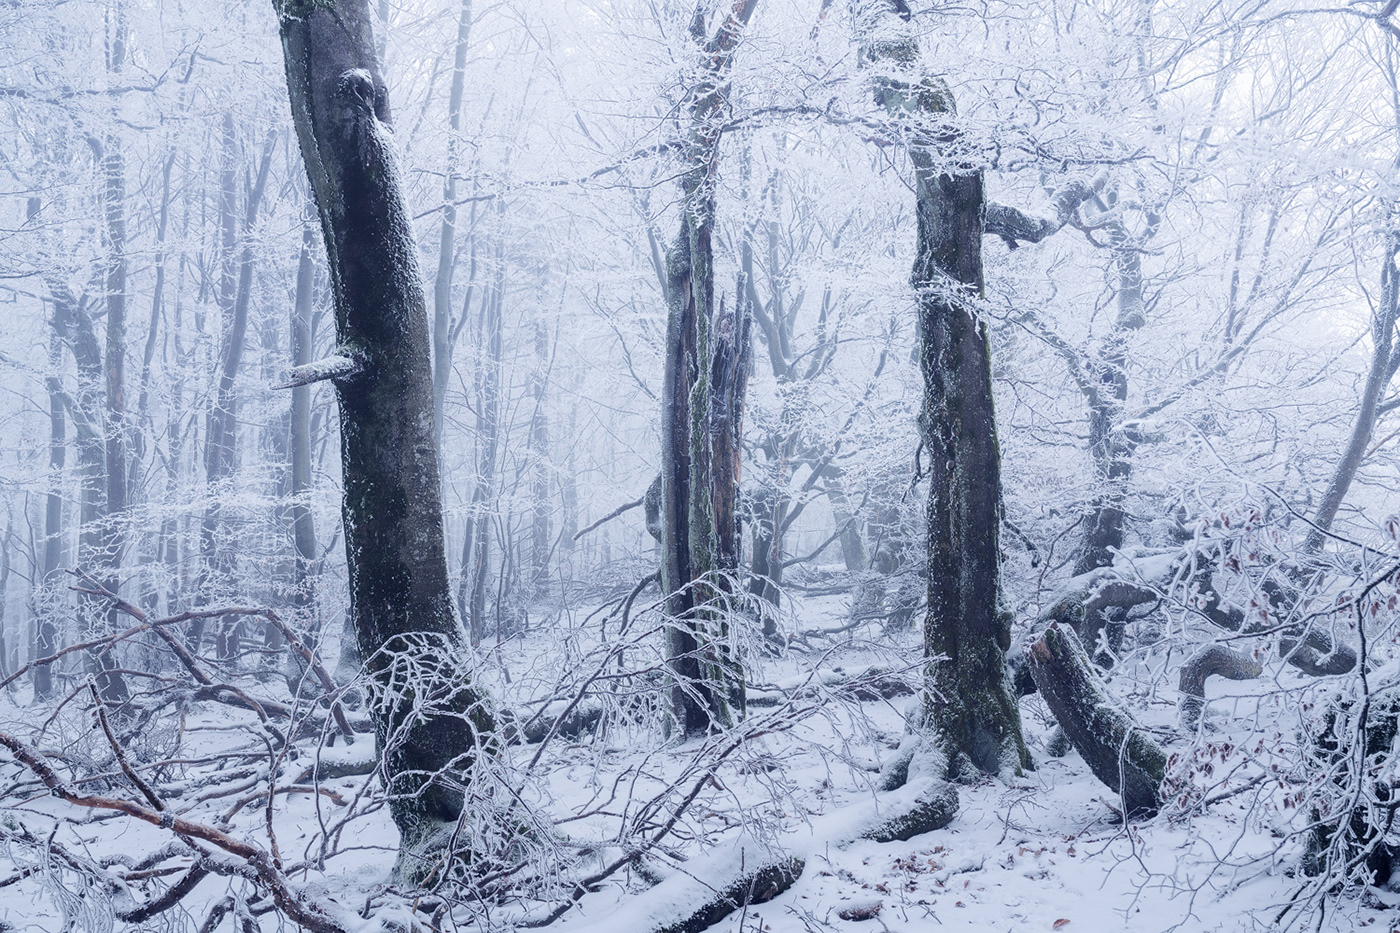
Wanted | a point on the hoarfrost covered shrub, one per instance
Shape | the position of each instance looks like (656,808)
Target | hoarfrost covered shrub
(1315,747)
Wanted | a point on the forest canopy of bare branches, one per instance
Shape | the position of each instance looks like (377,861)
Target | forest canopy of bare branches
(673,465)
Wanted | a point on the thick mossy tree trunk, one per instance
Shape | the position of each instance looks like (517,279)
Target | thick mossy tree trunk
(702,403)
(400,600)
(969,705)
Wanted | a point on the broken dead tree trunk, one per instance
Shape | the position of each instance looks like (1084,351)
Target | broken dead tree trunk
(1210,661)
(1116,748)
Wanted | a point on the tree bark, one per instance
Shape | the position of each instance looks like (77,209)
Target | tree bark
(73,325)
(1110,446)
(221,432)
(541,534)
(700,414)
(45,628)
(305,615)
(443,332)
(1210,661)
(1113,745)
(969,704)
(476,546)
(392,511)
(1385,358)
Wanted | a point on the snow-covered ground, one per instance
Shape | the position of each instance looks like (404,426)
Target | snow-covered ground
(1041,852)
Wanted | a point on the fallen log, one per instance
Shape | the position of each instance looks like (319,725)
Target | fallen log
(572,722)
(1210,661)
(866,685)
(749,871)
(1117,750)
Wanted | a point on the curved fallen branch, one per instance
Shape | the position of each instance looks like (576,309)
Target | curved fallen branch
(1210,661)
(314,915)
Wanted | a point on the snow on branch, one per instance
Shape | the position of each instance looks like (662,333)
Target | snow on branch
(340,364)
(1016,226)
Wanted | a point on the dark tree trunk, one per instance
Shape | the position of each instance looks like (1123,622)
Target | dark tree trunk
(1110,445)
(111,531)
(699,544)
(766,567)
(969,703)
(393,519)
(1119,751)
(853,552)
(74,326)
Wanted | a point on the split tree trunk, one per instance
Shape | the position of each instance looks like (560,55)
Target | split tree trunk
(969,704)
(392,512)
(702,403)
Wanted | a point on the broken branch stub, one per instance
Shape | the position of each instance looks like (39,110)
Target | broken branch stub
(340,364)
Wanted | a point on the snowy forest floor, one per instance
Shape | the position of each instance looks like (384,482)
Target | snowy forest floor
(1041,852)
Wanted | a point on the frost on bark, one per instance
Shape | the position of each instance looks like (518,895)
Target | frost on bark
(221,422)
(443,332)
(400,599)
(299,514)
(969,704)
(1113,745)
(1385,360)
(702,405)
(1096,604)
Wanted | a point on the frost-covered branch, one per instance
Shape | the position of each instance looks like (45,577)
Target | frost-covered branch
(340,364)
